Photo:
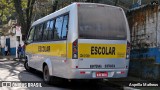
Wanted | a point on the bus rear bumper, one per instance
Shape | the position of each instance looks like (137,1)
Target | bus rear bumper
(94,73)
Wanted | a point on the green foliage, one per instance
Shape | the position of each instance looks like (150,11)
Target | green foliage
(24,4)
(6,9)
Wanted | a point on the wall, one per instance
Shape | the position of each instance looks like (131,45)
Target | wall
(13,44)
(144,25)
(3,43)
(145,32)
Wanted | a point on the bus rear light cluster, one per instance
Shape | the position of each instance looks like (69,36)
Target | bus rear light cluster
(82,72)
(128,50)
(78,5)
(75,49)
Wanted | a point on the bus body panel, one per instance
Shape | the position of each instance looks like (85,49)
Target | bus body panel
(91,73)
(41,51)
(102,53)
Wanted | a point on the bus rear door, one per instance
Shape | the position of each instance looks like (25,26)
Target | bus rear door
(102,42)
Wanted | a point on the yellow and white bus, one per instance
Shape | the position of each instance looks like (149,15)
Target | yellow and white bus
(80,41)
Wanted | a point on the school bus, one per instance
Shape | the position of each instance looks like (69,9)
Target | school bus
(80,41)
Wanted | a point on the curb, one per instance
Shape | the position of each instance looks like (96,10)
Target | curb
(130,88)
(17,59)
(119,85)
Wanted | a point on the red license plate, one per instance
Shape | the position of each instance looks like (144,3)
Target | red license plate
(101,74)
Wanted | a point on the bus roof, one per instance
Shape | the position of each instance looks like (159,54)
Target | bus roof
(63,10)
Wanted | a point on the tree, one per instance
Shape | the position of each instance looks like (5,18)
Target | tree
(116,2)
(21,17)
(6,9)
(42,8)
(29,12)
(24,19)
(55,6)
(93,1)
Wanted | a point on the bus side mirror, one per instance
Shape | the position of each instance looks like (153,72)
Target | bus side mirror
(26,42)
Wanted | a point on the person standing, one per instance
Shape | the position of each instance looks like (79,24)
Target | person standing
(19,51)
(6,50)
(23,50)
(1,50)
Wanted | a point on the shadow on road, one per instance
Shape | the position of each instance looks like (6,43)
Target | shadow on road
(14,71)
(12,66)
(37,76)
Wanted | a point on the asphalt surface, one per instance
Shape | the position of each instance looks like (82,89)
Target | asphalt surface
(13,70)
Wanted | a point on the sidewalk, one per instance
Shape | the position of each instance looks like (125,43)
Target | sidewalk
(128,83)
(134,83)
(12,57)
(7,57)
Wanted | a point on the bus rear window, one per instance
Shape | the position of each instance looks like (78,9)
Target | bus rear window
(101,23)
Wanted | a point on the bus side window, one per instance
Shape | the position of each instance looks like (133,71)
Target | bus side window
(50,30)
(65,27)
(38,34)
(45,31)
(58,28)
(31,35)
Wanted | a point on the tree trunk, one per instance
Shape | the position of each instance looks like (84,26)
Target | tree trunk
(24,20)
(55,6)
(29,11)
(21,17)
(116,2)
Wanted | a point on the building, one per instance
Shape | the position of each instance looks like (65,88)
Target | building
(11,37)
(145,32)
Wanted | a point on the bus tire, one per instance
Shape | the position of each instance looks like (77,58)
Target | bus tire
(26,66)
(51,80)
(46,77)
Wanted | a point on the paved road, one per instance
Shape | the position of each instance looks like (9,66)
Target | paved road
(11,70)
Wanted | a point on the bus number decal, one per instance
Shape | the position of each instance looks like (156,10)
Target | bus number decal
(95,66)
(43,48)
(85,55)
(109,65)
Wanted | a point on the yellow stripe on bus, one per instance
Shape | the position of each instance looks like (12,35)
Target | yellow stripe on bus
(84,50)
(52,49)
(102,50)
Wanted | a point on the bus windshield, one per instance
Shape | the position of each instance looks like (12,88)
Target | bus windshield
(101,22)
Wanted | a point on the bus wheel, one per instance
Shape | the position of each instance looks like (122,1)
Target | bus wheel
(50,79)
(26,65)
(46,77)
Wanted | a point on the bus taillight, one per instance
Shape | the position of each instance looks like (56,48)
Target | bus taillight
(128,51)
(75,49)
(78,5)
